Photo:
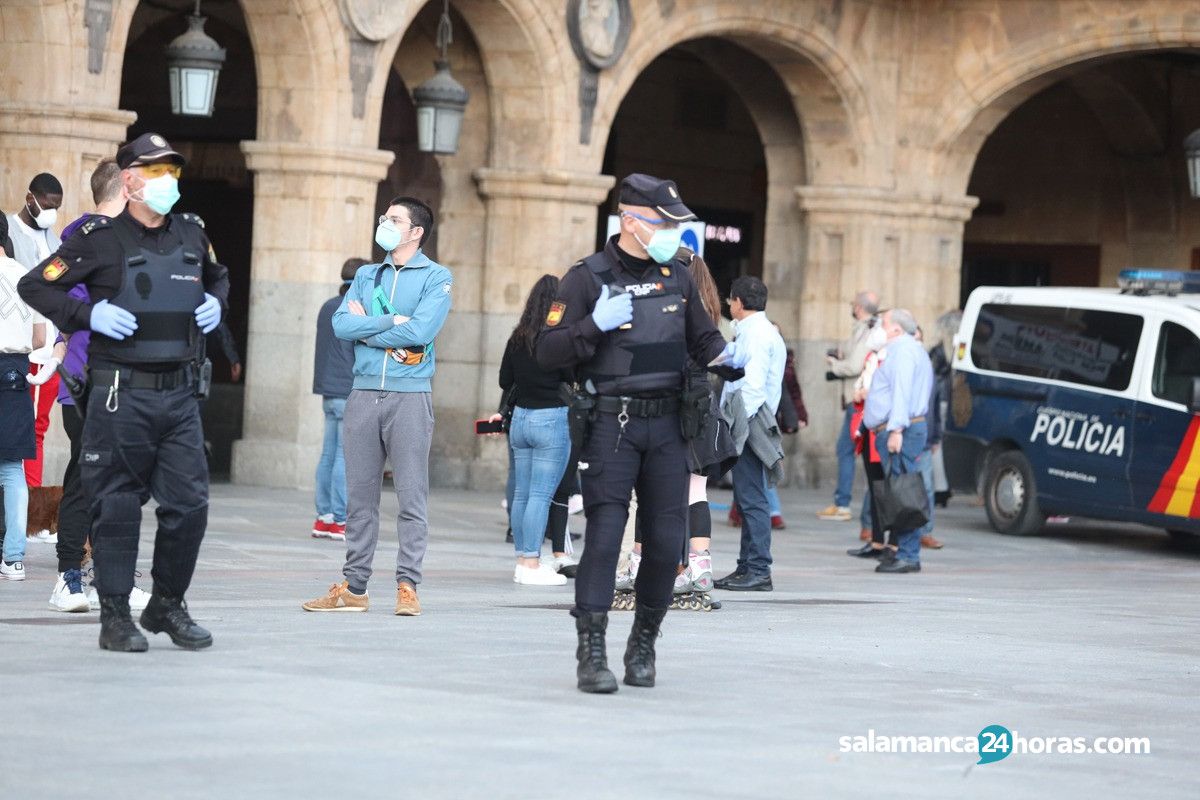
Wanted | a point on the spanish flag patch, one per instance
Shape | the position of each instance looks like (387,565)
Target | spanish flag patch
(1177,493)
(55,269)
(556,314)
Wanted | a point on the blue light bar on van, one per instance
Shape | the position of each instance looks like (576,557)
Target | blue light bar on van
(1158,281)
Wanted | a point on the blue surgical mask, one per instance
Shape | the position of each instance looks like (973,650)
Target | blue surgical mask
(161,193)
(663,244)
(386,236)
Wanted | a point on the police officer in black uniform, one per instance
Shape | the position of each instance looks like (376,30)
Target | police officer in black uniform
(156,288)
(627,318)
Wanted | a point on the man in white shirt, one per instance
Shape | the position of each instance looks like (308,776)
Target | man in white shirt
(32,233)
(761,386)
(21,330)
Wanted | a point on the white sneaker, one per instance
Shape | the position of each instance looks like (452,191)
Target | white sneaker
(69,596)
(542,575)
(15,571)
(44,536)
(562,561)
(138,598)
(517,574)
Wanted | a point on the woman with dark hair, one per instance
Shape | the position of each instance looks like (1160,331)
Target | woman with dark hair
(538,435)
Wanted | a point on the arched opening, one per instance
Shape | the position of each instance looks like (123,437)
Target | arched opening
(215,184)
(1086,175)
(688,117)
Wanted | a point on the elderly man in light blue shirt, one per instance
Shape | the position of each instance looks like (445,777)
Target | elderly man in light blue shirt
(895,409)
(761,386)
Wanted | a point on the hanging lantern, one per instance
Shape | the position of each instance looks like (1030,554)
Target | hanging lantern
(441,100)
(194,62)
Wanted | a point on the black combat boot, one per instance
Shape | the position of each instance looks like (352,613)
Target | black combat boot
(594,674)
(639,652)
(117,631)
(168,614)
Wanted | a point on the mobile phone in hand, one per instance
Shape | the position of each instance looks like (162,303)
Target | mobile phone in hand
(483,426)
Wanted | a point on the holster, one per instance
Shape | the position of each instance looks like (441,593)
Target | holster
(581,408)
(695,404)
(78,388)
(203,378)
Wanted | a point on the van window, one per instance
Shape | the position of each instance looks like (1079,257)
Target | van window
(1176,363)
(1084,346)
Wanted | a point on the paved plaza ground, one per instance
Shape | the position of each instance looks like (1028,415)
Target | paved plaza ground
(1088,630)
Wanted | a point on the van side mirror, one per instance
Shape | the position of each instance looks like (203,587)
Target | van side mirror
(1194,400)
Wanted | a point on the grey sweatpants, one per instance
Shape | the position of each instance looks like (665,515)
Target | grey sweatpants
(377,426)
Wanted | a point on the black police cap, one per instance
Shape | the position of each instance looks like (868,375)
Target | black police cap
(663,196)
(146,149)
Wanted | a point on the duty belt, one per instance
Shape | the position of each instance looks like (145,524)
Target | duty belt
(638,406)
(140,379)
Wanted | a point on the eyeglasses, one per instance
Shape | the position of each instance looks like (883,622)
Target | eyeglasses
(651,221)
(394,220)
(158,170)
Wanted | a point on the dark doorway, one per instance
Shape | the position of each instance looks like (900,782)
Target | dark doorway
(987,264)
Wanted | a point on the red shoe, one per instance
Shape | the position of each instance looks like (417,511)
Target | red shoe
(777,523)
(735,517)
(320,529)
(337,531)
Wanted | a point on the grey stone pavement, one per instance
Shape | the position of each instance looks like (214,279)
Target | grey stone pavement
(1088,630)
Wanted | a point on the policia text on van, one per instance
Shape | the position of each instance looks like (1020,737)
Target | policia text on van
(1081,401)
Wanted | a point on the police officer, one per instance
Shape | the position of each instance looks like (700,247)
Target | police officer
(156,288)
(627,318)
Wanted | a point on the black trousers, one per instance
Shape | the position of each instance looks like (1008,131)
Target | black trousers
(651,456)
(152,445)
(874,471)
(73,518)
(556,520)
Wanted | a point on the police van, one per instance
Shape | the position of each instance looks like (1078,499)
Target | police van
(1082,402)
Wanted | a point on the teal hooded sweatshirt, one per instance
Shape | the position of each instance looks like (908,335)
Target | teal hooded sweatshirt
(419,290)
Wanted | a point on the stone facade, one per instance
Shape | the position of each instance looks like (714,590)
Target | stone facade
(871,115)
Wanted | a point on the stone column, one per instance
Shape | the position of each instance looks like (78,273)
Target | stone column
(314,207)
(538,222)
(906,247)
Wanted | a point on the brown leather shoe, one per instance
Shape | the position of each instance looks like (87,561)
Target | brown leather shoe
(407,604)
(865,534)
(928,541)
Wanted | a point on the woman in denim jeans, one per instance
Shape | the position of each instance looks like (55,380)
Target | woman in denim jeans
(538,435)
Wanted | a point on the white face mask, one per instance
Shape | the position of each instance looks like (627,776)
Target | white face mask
(46,217)
(877,338)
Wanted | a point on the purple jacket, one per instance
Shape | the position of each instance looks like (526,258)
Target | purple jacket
(77,348)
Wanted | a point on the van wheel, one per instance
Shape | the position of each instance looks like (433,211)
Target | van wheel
(1010,495)
(1186,541)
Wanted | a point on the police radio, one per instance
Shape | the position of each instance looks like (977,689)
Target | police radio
(615,290)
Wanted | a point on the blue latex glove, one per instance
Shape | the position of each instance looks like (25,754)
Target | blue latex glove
(208,314)
(611,313)
(734,355)
(112,321)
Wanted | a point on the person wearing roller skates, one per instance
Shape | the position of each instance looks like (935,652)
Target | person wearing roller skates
(627,319)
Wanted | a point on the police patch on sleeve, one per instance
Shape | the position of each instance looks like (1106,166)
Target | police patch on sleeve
(55,269)
(556,314)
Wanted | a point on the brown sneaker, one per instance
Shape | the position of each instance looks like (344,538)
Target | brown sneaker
(407,604)
(340,598)
(928,541)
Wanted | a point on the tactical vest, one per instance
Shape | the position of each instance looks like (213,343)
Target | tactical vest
(650,354)
(163,292)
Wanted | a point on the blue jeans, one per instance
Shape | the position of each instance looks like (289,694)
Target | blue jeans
(750,494)
(773,501)
(541,443)
(331,469)
(845,457)
(16,509)
(907,460)
(925,464)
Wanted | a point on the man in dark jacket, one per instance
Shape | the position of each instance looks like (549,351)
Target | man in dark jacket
(333,378)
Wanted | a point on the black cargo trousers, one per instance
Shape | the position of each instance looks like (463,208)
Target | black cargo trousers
(651,456)
(140,443)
